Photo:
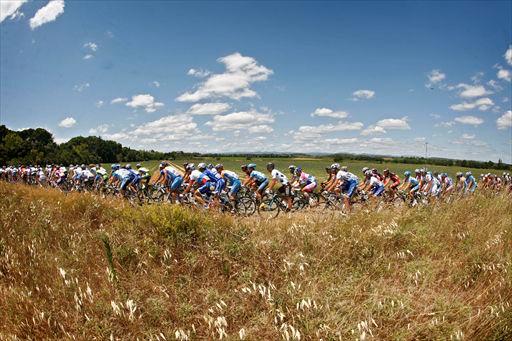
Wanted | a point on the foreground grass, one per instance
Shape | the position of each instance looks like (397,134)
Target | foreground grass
(79,267)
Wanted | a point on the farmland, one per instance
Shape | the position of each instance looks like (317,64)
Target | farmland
(316,165)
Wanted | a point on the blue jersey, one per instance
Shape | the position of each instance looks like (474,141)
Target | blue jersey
(229,176)
(470,181)
(211,175)
(259,177)
(413,181)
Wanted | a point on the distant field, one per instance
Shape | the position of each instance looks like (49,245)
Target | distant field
(316,166)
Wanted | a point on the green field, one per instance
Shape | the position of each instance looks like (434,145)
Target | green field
(316,165)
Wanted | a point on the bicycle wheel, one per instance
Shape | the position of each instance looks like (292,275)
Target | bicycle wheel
(269,207)
(245,206)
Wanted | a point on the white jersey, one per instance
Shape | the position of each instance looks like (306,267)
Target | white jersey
(346,175)
(375,181)
(283,180)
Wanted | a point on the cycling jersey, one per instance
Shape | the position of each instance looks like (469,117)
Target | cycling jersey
(121,174)
(213,177)
(277,175)
(229,176)
(346,176)
(199,177)
(170,173)
(258,177)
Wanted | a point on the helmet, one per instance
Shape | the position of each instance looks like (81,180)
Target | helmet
(210,166)
(190,166)
(115,166)
(298,170)
(161,165)
(270,166)
(459,174)
(128,166)
(468,173)
(344,168)
(407,173)
(243,167)
(335,166)
(444,175)
(374,170)
(365,169)
(251,165)
(385,171)
(417,171)
(219,166)
(82,166)
(292,168)
(368,172)
(138,165)
(423,170)
(202,165)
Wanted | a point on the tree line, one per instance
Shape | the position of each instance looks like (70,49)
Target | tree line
(37,146)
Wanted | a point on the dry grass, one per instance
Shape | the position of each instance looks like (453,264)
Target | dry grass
(80,267)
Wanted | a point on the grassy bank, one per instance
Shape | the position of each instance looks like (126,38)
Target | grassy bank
(78,266)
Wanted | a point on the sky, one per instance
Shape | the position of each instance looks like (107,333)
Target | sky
(317,77)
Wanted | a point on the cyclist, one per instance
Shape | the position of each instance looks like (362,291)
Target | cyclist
(284,188)
(202,181)
(446,184)
(229,178)
(144,174)
(470,183)
(411,184)
(373,183)
(306,181)
(346,184)
(255,179)
(391,180)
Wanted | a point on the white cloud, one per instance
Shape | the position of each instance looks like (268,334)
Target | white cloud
(68,122)
(170,127)
(99,104)
(373,129)
(471,120)
(394,123)
(504,121)
(363,94)
(10,9)
(261,129)
(47,14)
(88,56)
(468,137)
(508,55)
(239,120)
(446,124)
(382,140)
(208,108)
(481,103)
(309,133)
(199,73)
(101,129)
(471,91)
(144,101)
(326,112)
(119,100)
(434,77)
(81,87)
(91,46)
(341,141)
(505,75)
(234,83)
(156,84)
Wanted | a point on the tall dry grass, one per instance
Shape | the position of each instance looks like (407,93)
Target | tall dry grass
(80,267)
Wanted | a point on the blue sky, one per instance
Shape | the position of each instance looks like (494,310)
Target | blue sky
(362,77)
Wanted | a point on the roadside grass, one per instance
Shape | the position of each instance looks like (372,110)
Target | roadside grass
(77,266)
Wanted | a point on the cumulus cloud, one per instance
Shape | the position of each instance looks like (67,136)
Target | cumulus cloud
(47,14)
(434,77)
(341,141)
(508,55)
(505,75)
(199,73)
(99,104)
(239,120)
(88,56)
(101,129)
(309,133)
(471,91)
(208,108)
(81,87)
(326,112)
(156,84)
(363,94)
(505,120)
(373,129)
(471,120)
(91,46)
(68,122)
(234,83)
(119,100)
(468,136)
(10,9)
(394,123)
(144,101)
(481,103)
(261,129)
